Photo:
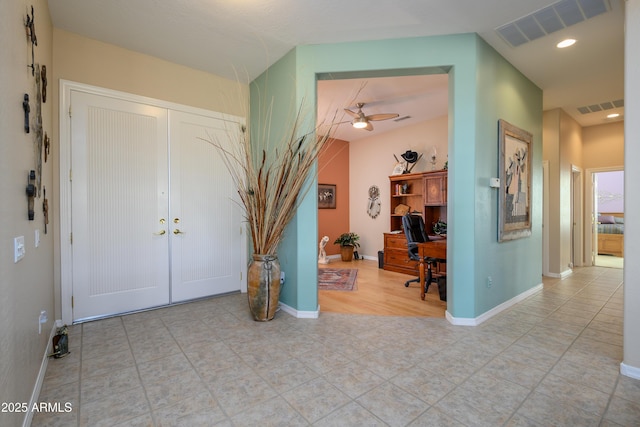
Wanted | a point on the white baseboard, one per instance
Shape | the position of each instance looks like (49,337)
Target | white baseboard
(562,275)
(630,371)
(299,314)
(475,321)
(35,394)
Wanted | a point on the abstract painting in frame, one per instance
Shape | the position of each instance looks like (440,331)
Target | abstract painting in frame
(326,196)
(514,210)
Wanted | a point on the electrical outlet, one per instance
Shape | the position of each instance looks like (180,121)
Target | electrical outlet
(281,278)
(489,282)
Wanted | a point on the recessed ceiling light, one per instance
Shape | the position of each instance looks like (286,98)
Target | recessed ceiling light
(613,115)
(566,43)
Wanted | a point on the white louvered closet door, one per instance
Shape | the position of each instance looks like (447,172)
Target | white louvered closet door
(119,193)
(205,215)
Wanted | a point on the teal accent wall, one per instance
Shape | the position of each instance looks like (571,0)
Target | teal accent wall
(514,266)
(483,88)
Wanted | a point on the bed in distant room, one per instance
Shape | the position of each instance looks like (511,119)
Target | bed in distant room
(611,234)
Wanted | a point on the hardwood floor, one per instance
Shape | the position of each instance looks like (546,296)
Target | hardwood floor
(380,292)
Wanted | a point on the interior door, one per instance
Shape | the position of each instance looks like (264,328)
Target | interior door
(119,191)
(205,220)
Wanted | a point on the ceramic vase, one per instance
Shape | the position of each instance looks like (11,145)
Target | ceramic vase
(263,286)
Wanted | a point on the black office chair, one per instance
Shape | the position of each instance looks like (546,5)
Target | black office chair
(414,231)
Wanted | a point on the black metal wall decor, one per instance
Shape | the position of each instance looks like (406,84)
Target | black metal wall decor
(47,145)
(26,108)
(37,129)
(31,35)
(31,194)
(43,78)
(45,208)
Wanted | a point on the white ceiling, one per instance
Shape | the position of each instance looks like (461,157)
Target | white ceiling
(228,36)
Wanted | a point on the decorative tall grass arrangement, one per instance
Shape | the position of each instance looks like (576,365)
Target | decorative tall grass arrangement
(273,178)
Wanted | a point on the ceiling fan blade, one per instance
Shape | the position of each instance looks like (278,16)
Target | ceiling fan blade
(356,115)
(369,126)
(387,116)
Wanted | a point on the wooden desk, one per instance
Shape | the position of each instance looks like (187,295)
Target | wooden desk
(433,249)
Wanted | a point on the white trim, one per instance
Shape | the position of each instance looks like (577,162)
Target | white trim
(299,314)
(545,218)
(589,212)
(35,394)
(630,371)
(577,228)
(63,241)
(467,321)
(562,275)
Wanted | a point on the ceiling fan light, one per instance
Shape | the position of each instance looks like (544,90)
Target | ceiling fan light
(566,43)
(360,123)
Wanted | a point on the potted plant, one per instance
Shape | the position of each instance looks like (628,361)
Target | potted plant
(271,175)
(440,228)
(348,242)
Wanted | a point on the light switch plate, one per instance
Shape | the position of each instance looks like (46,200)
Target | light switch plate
(18,248)
(37,238)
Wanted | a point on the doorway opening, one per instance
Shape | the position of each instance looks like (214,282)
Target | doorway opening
(363,159)
(608,219)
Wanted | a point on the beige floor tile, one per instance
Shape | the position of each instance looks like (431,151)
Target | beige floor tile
(98,387)
(548,411)
(352,414)
(200,410)
(353,379)
(393,405)
(552,359)
(275,412)
(316,399)
(238,395)
(573,394)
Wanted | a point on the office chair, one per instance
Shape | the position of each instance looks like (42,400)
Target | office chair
(414,231)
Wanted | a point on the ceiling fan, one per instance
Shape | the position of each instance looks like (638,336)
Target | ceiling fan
(360,121)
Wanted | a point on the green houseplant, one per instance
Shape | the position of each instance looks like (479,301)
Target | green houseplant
(348,242)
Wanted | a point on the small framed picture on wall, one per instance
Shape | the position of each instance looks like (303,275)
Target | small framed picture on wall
(326,196)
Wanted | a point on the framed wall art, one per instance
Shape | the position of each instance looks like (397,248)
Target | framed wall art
(326,196)
(514,210)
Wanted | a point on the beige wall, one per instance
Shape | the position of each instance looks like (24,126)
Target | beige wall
(88,61)
(371,163)
(603,145)
(26,287)
(562,148)
(551,153)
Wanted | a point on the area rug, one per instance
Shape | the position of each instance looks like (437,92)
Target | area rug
(337,279)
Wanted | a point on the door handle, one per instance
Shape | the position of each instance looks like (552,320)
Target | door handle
(160,233)
(177,231)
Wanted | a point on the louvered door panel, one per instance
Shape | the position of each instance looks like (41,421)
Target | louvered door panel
(205,217)
(119,196)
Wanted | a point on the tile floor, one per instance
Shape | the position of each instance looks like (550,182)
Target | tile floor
(553,359)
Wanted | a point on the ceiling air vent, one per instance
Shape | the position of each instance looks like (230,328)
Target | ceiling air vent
(559,15)
(608,105)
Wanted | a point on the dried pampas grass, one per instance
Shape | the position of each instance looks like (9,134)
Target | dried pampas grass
(272,177)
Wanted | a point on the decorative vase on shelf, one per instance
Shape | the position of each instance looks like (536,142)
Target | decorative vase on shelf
(263,286)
